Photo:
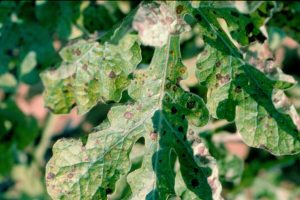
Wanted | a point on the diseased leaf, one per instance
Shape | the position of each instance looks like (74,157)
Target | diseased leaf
(160,114)
(90,73)
(237,90)
(176,163)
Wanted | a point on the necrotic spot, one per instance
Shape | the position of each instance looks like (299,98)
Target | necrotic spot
(249,28)
(180,129)
(190,104)
(173,110)
(198,17)
(195,182)
(108,191)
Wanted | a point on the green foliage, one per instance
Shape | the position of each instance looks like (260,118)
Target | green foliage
(16,133)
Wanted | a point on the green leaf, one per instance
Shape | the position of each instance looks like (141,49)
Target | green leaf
(16,133)
(237,90)
(90,73)
(58,17)
(287,11)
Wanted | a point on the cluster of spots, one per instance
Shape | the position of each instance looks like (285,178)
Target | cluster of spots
(76,52)
(155,21)
(223,79)
(261,57)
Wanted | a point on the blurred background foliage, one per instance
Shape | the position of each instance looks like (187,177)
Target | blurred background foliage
(32,33)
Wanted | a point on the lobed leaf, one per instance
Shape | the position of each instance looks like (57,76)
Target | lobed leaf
(237,90)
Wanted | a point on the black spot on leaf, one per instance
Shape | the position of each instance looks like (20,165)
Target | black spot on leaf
(198,17)
(195,182)
(108,191)
(260,37)
(173,110)
(249,28)
(180,129)
(190,104)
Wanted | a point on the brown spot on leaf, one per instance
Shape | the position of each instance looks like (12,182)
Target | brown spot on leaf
(153,136)
(174,88)
(223,79)
(70,175)
(84,67)
(112,74)
(182,70)
(238,89)
(128,115)
(219,76)
(179,9)
(50,175)
(77,52)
